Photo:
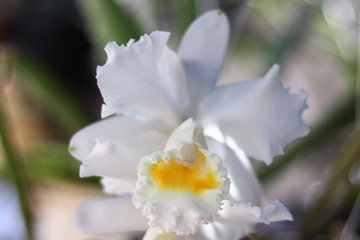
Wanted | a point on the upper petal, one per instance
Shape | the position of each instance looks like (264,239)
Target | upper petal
(144,79)
(202,51)
(109,215)
(112,128)
(259,116)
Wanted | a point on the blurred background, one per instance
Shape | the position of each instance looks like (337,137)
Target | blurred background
(49,51)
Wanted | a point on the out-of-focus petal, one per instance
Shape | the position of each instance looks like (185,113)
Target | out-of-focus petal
(202,51)
(112,128)
(242,212)
(117,186)
(274,211)
(109,215)
(120,159)
(144,79)
(260,116)
(244,183)
(223,230)
(238,219)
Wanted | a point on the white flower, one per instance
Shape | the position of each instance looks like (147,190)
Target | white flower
(182,187)
(151,90)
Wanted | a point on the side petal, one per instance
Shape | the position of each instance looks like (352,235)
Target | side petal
(144,79)
(202,51)
(112,128)
(260,116)
(109,215)
(244,183)
(120,159)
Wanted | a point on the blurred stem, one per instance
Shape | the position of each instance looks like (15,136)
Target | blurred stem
(256,237)
(340,116)
(17,172)
(353,220)
(47,90)
(357,88)
(51,160)
(109,21)
(346,158)
(295,34)
(185,14)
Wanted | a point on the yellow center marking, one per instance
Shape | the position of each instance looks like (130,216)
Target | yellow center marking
(175,176)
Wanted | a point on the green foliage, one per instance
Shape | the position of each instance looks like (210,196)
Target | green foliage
(52,160)
(109,21)
(48,91)
(257,237)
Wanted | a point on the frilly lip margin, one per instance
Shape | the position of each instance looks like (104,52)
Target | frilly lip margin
(186,216)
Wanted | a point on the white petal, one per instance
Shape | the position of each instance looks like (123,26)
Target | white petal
(274,211)
(113,128)
(259,116)
(243,212)
(120,159)
(223,230)
(244,183)
(189,132)
(144,79)
(234,222)
(240,212)
(117,186)
(109,215)
(106,111)
(202,51)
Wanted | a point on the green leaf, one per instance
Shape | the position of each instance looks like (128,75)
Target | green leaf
(52,160)
(257,237)
(109,21)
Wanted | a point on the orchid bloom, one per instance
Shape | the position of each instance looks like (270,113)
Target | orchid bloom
(150,139)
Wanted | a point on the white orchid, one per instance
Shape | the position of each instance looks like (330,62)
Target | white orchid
(150,92)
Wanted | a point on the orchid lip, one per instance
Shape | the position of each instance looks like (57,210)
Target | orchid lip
(188,174)
(180,189)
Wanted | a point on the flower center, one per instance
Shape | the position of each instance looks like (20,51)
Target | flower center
(175,176)
(178,190)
